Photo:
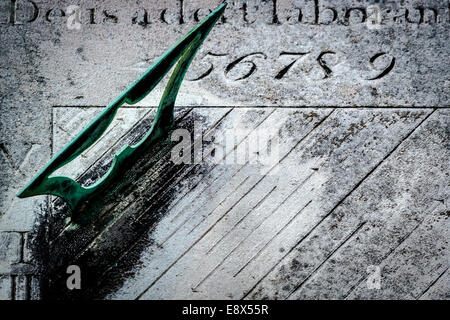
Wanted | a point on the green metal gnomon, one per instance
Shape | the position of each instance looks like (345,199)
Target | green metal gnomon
(70,190)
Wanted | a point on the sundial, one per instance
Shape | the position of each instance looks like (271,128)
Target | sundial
(190,149)
(70,190)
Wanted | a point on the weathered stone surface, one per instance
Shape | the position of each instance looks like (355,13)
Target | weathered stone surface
(5,287)
(344,83)
(332,59)
(386,217)
(204,268)
(10,246)
(439,288)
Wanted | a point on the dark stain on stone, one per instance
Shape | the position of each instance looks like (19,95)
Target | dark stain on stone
(374,92)
(445,213)
(295,265)
(130,210)
(286,287)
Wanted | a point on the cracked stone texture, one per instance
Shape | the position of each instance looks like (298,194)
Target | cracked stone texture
(367,103)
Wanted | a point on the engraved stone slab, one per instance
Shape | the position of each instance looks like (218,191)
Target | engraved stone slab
(278,52)
(361,86)
(236,230)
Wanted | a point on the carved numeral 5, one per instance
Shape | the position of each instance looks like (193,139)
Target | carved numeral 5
(210,68)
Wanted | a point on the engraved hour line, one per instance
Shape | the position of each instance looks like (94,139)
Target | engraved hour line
(220,218)
(234,249)
(215,165)
(392,151)
(54,201)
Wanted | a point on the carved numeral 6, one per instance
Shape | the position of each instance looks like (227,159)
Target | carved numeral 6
(241,60)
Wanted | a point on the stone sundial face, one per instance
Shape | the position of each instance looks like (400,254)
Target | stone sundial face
(307,157)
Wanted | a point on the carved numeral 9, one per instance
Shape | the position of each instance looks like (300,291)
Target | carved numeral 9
(386,70)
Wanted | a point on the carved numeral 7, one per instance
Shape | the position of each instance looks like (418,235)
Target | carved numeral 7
(285,69)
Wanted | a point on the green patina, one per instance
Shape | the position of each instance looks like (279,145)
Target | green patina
(70,190)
